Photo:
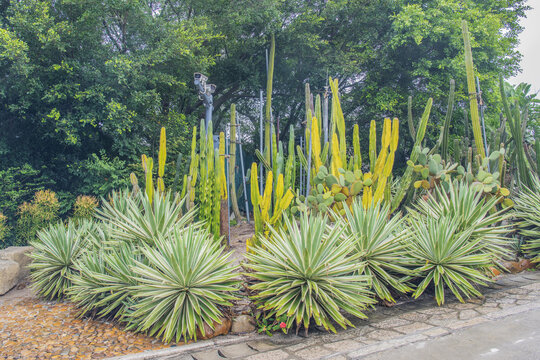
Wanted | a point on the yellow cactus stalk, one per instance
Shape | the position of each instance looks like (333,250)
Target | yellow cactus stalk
(356,147)
(372,145)
(336,162)
(149,180)
(162,157)
(316,144)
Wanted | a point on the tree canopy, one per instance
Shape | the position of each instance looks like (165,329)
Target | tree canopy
(86,85)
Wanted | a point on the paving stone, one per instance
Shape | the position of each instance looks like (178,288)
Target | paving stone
(383,334)
(313,352)
(344,345)
(237,351)
(302,344)
(414,316)
(467,314)
(262,346)
(413,328)
(208,355)
(370,349)
(390,323)
(336,357)
(465,323)
(270,355)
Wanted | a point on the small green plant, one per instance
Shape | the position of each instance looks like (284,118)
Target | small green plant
(85,207)
(269,325)
(4,229)
(56,250)
(306,272)
(42,211)
(527,212)
(378,239)
(184,284)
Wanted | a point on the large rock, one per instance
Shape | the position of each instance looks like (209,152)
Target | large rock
(9,275)
(20,255)
(243,324)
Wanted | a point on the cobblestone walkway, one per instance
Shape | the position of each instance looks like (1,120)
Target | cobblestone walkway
(386,328)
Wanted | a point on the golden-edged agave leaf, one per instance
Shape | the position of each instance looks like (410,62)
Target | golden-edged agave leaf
(162,156)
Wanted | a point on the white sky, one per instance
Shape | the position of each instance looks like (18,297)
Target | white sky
(529,47)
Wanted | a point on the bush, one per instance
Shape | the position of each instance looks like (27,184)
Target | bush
(34,216)
(527,212)
(182,287)
(85,207)
(4,230)
(305,271)
(55,251)
(378,240)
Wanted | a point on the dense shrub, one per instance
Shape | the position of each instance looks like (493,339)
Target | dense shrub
(4,229)
(42,211)
(306,272)
(85,207)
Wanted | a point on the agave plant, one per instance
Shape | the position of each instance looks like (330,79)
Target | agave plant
(104,282)
(379,242)
(472,211)
(134,218)
(306,271)
(447,257)
(183,286)
(527,212)
(55,251)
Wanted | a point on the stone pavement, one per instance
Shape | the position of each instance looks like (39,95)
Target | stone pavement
(411,325)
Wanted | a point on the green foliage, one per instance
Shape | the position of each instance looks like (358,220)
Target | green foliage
(378,239)
(53,260)
(305,272)
(527,212)
(42,211)
(184,285)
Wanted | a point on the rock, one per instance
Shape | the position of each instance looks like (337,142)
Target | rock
(243,324)
(517,266)
(20,255)
(9,275)
(219,329)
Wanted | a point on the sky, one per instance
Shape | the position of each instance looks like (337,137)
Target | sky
(529,47)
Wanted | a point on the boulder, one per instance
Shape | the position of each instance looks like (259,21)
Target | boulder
(9,275)
(243,324)
(219,329)
(20,255)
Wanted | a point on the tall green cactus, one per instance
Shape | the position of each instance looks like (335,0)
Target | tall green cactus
(447,119)
(406,179)
(268,114)
(412,132)
(475,119)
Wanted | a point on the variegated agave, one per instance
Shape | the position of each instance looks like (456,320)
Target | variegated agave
(306,272)
(184,283)
(447,257)
(527,212)
(55,251)
(378,240)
